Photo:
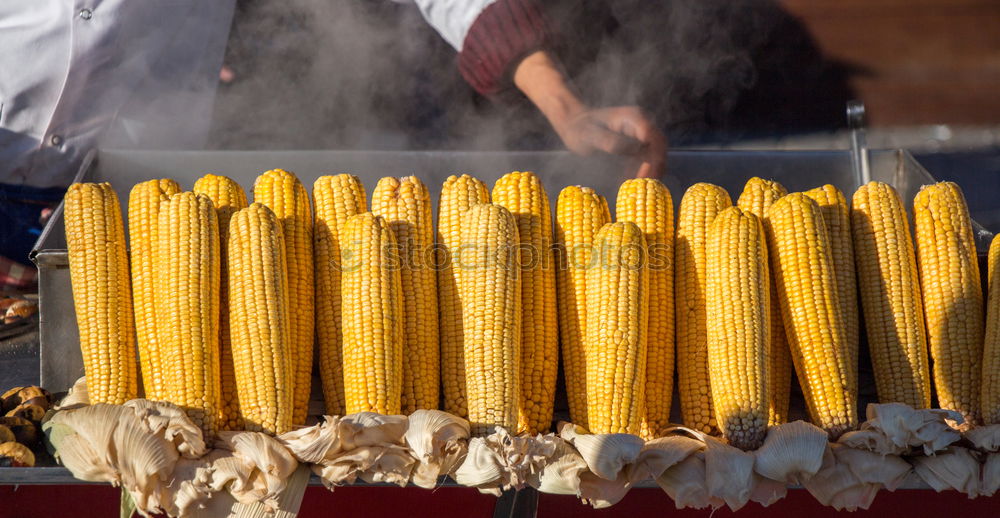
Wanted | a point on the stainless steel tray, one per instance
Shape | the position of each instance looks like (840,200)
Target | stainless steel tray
(61,362)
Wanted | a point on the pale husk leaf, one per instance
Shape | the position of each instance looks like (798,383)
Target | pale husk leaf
(601,493)
(729,473)
(685,483)
(313,443)
(792,452)
(766,491)
(990,479)
(895,428)
(438,441)
(76,397)
(658,455)
(955,468)
(561,475)
(985,438)
(606,454)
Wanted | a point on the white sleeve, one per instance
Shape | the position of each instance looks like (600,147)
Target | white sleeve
(452,18)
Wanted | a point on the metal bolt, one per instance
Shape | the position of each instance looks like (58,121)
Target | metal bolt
(56,140)
(86,14)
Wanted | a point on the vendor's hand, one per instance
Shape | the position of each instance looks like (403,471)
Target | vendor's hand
(620,131)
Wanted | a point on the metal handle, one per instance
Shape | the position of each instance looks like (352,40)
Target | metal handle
(859,141)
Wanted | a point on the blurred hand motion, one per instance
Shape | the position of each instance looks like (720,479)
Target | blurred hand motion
(622,130)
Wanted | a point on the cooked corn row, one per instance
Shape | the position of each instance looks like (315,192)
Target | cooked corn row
(990,394)
(335,199)
(757,197)
(647,203)
(406,206)
(523,195)
(952,295)
(228,197)
(738,299)
(187,306)
(580,213)
(143,210)
(615,344)
(458,194)
(699,207)
(490,292)
(826,366)
(890,296)
(282,192)
(102,294)
(372,317)
(259,312)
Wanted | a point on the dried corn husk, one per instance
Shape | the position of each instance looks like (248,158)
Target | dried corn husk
(438,441)
(850,478)
(606,454)
(500,461)
(561,475)
(685,483)
(985,438)
(76,397)
(895,429)
(791,453)
(601,493)
(729,473)
(989,479)
(659,455)
(954,468)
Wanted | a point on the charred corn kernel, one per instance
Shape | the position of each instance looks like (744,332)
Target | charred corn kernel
(647,203)
(260,320)
(757,197)
(738,301)
(186,274)
(890,296)
(282,192)
(837,217)
(228,197)
(615,344)
(523,195)
(827,367)
(372,316)
(490,291)
(990,394)
(952,295)
(458,194)
(699,207)
(143,210)
(102,294)
(335,199)
(580,213)
(406,206)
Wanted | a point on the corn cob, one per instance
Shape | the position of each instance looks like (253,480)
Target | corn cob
(282,192)
(890,296)
(406,206)
(580,213)
(260,320)
(187,305)
(523,195)
(738,301)
(990,394)
(143,210)
(615,343)
(458,194)
(699,207)
(228,197)
(802,256)
(490,291)
(757,197)
(335,199)
(99,271)
(837,217)
(372,317)
(647,203)
(952,295)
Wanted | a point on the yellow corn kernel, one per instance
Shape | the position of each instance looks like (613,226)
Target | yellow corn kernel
(738,301)
(490,291)
(406,206)
(990,394)
(458,194)
(187,280)
(647,203)
(372,316)
(523,195)
(952,295)
(335,199)
(228,197)
(615,344)
(757,197)
(580,213)
(259,312)
(143,210)
(282,192)
(102,294)
(890,296)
